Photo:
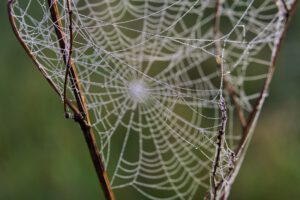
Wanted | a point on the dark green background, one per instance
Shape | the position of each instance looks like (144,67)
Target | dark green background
(43,156)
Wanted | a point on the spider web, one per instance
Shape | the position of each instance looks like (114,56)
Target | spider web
(169,85)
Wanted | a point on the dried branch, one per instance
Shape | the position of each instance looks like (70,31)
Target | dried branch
(83,119)
(80,110)
(286,16)
(253,117)
(247,125)
(220,145)
(228,87)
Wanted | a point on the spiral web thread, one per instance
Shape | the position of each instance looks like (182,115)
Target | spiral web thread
(169,85)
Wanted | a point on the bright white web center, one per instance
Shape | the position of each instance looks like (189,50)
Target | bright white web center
(138,91)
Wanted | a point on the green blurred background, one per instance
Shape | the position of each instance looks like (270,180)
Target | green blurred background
(44,156)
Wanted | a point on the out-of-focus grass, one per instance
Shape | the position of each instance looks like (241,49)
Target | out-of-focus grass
(271,168)
(43,156)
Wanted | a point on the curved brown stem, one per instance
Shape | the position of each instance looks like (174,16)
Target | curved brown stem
(248,124)
(80,110)
(287,13)
(83,119)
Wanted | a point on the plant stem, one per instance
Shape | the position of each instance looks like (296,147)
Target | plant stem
(83,118)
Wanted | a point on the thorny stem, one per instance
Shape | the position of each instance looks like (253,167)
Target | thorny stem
(216,187)
(220,145)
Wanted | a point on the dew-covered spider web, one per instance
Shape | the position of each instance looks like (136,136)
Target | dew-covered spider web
(173,88)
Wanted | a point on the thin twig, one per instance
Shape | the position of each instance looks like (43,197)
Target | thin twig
(68,66)
(217,188)
(229,88)
(220,146)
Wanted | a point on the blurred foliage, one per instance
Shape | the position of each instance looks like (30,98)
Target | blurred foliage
(44,156)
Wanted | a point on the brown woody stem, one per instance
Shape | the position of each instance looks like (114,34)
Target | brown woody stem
(80,110)
(83,119)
